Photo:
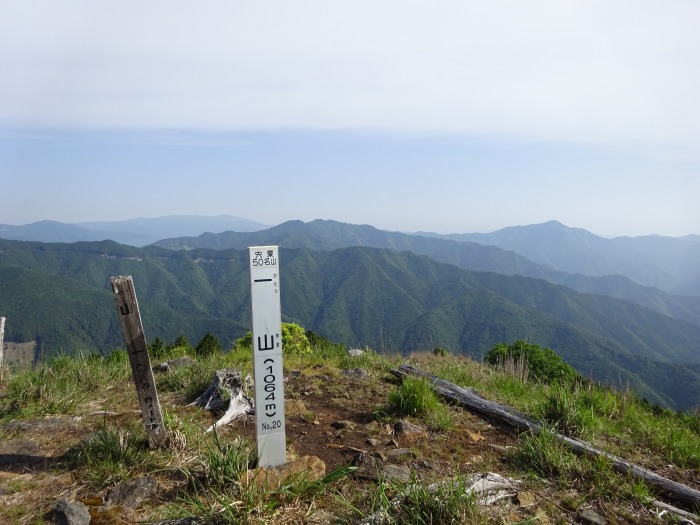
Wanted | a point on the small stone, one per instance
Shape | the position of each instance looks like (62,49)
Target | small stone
(71,513)
(271,478)
(400,473)
(406,427)
(401,453)
(175,363)
(19,447)
(368,467)
(313,467)
(47,425)
(131,493)
(425,464)
(372,442)
(294,407)
(526,499)
(355,352)
(592,518)
(409,431)
(343,425)
(356,373)
(380,456)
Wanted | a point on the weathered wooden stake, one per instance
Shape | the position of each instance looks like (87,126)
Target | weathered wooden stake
(135,340)
(2,337)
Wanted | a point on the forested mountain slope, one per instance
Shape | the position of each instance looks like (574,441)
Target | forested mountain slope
(59,293)
(579,245)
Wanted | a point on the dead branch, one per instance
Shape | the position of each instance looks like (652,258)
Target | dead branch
(514,419)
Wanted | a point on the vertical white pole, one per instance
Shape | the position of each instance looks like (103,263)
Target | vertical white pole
(2,337)
(267,355)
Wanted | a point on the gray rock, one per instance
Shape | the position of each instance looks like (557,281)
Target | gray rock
(17,447)
(175,363)
(343,425)
(356,373)
(400,453)
(380,455)
(400,473)
(131,492)
(591,517)
(368,467)
(425,464)
(47,425)
(356,352)
(406,427)
(70,513)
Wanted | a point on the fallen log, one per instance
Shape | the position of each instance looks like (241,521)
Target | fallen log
(514,419)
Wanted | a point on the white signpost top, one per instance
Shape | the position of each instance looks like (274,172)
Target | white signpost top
(267,355)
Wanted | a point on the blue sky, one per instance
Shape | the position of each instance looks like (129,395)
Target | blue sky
(441,116)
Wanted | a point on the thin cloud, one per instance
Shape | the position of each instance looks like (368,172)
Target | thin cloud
(584,71)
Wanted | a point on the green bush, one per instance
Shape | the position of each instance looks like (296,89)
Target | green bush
(294,340)
(543,364)
(181,341)
(157,348)
(209,345)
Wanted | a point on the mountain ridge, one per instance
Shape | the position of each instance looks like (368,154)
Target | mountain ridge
(671,264)
(134,232)
(327,235)
(397,301)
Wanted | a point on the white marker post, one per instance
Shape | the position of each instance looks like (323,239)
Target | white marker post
(267,355)
(2,337)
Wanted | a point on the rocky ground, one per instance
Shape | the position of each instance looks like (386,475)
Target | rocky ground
(332,415)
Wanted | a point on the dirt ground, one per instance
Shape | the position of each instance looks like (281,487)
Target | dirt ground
(329,415)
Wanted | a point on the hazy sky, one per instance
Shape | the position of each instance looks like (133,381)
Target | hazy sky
(448,116)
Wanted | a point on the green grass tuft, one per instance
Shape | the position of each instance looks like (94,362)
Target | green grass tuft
(111,455)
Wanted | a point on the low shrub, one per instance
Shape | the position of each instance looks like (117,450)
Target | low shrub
(294,340)
(543,364)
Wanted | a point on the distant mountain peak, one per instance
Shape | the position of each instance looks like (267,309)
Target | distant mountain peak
(134,232)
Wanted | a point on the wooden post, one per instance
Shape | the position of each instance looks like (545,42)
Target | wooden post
(2,337)
(135,340)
